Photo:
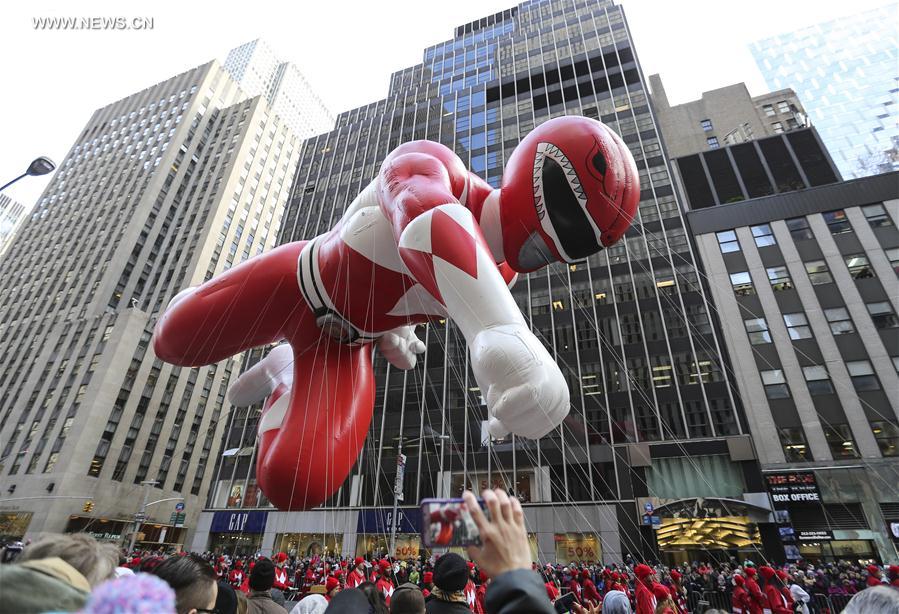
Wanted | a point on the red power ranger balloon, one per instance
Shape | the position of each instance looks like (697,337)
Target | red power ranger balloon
(425,239)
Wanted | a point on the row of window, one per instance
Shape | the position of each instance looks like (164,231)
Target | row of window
(799,228)
(881,313)
(817,378)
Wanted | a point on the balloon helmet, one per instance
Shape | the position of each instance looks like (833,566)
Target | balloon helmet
(570,188)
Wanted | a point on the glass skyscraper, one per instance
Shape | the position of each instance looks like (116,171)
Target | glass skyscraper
(654,416)
(846,72)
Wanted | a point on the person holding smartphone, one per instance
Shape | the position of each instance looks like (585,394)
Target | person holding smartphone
(505,556)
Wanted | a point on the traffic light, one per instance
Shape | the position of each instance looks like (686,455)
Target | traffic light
(88,507)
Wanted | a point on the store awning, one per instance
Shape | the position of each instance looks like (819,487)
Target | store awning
(727,533)
(711,507)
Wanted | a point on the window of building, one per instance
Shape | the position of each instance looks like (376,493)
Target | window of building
(882,314)
(862,374)
(818,380)
(859,267)
(763,235)
(778,127)
(818,272)
(797,326)
(795,447)
(768,109)
(840,322)
(887,436)
(877,216)
(712,142)
(706,124)
(837,222)
(775,384)
(779,277)
(742,283)
(727,241)
(757,329)
(783,106)
(799,228)
(893,257)
(839,438)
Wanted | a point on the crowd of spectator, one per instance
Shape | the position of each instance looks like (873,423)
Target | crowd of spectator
(76,573)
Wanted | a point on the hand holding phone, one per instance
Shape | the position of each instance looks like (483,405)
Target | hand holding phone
(448,523)
(504,539)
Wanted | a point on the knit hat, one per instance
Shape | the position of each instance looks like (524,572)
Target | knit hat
(141,594)
(280,557)
(872,569)
(238,565)
(782,575)
(767,572)
(226,598)
(738,580)
(263,575)
(585,574)
(358,561)
(660,591)
(643,571)
(384,565)
(428,577)
(331,583)
(750,571)
(450,572)
(482,576)
(675,575)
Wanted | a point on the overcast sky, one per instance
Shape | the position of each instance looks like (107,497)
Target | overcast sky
(54,80)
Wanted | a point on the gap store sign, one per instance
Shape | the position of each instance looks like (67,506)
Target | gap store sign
(239,522)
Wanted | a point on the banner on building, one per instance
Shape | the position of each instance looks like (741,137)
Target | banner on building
(381,520)
(239,522)
(793,487)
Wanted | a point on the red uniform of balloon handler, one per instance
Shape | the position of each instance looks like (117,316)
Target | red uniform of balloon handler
(425,239)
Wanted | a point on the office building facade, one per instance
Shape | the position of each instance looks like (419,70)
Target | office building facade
(260,73)
(12,213)
(805,284)
(723,116)
(162,190)
(655,423)
(844,71)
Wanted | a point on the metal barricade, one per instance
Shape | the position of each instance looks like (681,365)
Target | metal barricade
(821,604)
(717,600)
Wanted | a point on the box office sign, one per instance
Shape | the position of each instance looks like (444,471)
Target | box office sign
(239,522)
(793,487)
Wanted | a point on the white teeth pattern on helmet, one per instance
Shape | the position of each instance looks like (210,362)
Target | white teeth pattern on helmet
(548,150)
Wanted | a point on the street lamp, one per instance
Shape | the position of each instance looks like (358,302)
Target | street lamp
(39,166)
(141,516)
(398,484)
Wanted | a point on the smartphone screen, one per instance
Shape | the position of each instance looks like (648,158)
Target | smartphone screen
(448,523)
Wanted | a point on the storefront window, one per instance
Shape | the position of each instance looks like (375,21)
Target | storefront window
(577,548)
(309,544)
(13,525)
(477,482)
(851,549)
(235,544)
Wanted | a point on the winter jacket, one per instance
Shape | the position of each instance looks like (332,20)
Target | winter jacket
(438,606)
(260,602)
(646,601)
(43,585)
(520,591)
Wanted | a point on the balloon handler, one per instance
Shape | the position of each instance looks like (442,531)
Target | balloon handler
(425,239)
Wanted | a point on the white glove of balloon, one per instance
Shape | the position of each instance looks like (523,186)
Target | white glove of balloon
(401,347)
(261,380)
(525,390)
